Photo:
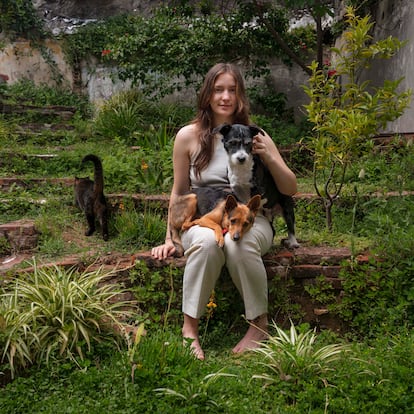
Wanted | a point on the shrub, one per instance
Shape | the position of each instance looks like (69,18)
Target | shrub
(347,116)
(121,116)
(53,312)
(295,355)
(19,18)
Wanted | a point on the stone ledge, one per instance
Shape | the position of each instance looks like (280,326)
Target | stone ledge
(306,262)
(302,263)
(285,269)
(21,234)
(7,182)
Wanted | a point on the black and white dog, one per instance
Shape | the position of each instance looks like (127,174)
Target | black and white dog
(249,176)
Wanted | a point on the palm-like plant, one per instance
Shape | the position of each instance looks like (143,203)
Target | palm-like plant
(295,355)
(121,115)
(59,312)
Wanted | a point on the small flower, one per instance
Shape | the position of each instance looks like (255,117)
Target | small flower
(331,73)
(105,52)
(144,166)
(211,305)
(121,206)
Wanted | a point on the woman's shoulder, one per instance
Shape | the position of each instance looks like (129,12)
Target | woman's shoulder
(187,136)
(187,131)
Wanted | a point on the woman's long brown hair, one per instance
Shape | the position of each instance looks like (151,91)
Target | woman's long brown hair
(204,117)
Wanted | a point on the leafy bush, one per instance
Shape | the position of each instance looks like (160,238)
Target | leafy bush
(294,356)
(19,18)
(197,42)
(120,116)
(133,119)
(58,313)
(158,293)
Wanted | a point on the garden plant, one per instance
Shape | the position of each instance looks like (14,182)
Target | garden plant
(346,114)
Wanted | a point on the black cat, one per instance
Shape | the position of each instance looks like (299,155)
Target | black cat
(90,198)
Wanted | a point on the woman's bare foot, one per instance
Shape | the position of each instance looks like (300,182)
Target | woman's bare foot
(257,332)
(191,339)
(195,347)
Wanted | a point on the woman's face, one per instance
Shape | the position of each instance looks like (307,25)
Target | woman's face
(223,101)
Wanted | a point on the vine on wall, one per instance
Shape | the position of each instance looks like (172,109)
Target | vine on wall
(19,18)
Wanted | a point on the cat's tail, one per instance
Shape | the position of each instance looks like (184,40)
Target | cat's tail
(98,172)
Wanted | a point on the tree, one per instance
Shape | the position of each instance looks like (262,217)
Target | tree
(177,45)
(318,9)
(174,49)
(347,114)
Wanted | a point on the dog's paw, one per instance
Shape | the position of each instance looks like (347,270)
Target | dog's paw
(178,254)
(220,242)
(290,242)
(179,250)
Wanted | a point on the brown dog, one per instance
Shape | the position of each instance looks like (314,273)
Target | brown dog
(228,215)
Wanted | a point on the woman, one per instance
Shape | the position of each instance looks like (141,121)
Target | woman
(199,159)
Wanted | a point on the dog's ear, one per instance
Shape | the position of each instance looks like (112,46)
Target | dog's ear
(255,130)
(254,203)
(231,202)
(223,129)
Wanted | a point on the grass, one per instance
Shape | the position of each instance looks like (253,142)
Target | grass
(375,378)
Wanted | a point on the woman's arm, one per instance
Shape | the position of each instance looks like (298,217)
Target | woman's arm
(284,177)
(181,165)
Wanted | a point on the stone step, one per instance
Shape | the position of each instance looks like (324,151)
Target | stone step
(275,262)
(21,235)
(7,182)
(303,263)
(162,200)
(293,269)
(60,111)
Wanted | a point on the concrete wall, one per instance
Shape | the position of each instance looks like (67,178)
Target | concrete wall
(20,60)
(396,18)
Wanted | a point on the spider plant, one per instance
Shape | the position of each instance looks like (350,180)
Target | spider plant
(53,311)
(194,392)
(295,355)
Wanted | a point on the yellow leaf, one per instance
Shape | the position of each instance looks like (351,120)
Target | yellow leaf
(138,335)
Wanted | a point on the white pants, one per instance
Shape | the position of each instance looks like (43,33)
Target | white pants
(243,260)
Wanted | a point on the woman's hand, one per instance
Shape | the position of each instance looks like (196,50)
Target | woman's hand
(283,176)
(163,251)
(264,147)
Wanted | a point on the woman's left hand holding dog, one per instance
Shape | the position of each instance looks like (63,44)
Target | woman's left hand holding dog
(264,146)
(266,149)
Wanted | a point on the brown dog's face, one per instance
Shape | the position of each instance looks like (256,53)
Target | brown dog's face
(240,217)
